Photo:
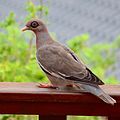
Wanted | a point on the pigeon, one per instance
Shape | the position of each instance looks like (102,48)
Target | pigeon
(61,65)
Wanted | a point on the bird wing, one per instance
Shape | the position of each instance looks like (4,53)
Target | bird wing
(60,61)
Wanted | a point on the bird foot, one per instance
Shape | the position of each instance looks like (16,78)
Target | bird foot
(69,85)
(42,85)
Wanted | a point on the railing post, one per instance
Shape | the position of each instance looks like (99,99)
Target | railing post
(113,118)
(52,117)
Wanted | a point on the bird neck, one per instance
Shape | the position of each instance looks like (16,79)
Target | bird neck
(42,38)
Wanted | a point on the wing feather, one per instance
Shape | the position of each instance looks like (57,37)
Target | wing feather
(59,61)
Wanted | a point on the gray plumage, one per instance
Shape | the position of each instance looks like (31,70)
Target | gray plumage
(62,66)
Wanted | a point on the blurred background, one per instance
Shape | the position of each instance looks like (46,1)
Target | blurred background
(91,28)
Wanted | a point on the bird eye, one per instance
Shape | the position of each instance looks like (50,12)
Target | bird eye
(34,24)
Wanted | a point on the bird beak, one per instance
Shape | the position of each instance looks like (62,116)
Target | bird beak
(25,28)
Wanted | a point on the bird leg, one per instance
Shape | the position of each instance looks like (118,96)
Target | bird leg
(42,85)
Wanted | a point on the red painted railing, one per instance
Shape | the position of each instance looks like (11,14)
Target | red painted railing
(49,104)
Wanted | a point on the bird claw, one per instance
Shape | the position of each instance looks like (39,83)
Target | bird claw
(42,85)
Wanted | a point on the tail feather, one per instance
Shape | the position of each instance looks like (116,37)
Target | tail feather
(97,91)
(106,98)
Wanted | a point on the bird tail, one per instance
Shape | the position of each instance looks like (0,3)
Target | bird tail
(97,91)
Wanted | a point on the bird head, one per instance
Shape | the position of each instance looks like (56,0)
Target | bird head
(34,25)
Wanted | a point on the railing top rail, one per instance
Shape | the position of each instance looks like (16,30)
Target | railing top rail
(28,98)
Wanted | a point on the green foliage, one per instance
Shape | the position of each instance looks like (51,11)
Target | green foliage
(18,117)
(15,61)
(84,118)
(34,11)
(10,20)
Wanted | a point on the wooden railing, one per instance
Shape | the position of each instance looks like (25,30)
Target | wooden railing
(49,104)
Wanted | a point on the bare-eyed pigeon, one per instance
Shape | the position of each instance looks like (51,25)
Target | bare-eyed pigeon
(62,66)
